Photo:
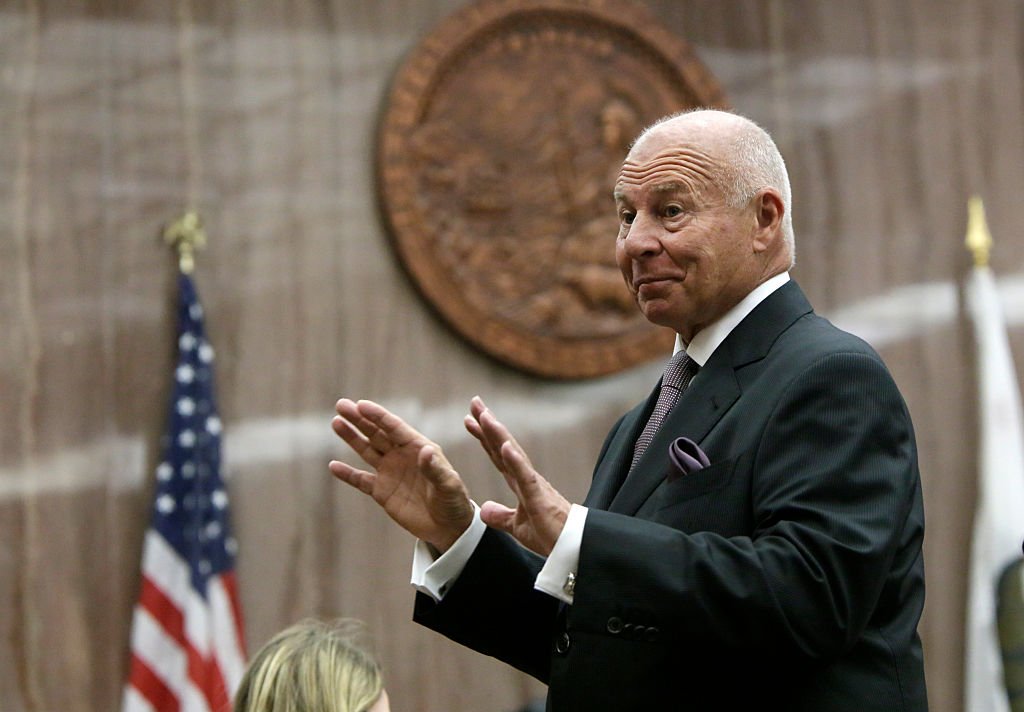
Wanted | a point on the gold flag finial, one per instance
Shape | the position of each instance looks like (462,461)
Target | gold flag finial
(187,235)
(979,240)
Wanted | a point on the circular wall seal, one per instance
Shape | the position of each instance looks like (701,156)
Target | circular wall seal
(502,136)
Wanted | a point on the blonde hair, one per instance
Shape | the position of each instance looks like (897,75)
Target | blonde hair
(312,666)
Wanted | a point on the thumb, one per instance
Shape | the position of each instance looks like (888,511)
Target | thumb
(497,516)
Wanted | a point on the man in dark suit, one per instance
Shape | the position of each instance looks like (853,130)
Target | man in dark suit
(751,540)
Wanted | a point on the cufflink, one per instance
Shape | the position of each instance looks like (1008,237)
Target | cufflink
(570,584)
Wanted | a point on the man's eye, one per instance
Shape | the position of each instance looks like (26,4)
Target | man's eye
(673,211)
(627,217)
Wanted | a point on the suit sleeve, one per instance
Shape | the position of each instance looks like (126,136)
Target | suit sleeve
(493,608)
(833,478)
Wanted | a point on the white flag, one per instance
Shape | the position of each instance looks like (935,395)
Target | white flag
(999,517)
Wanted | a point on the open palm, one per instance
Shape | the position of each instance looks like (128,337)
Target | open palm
(412,480)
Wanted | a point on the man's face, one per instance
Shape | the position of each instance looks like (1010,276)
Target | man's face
(685,254)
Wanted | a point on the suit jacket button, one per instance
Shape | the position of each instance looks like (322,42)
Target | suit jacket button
(562,644)
(614,625)
(652,634)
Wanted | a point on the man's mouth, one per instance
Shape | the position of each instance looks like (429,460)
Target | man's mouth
(649,283)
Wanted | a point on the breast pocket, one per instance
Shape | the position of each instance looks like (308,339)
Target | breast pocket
(715,498)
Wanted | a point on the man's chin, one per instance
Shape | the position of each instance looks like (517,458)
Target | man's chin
(659,313)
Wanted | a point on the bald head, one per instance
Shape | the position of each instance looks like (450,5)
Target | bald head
(747,159)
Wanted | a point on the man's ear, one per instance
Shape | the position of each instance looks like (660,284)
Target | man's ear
(768,211)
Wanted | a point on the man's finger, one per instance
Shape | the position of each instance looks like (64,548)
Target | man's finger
(474,429)
(495,431)
(356,440)
(387,426)
(520,470)
(349,410)
(360,479)
(494,451)
(476,406)
(492,434)
(499,438)
(369,425)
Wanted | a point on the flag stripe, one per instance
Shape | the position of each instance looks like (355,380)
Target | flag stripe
(206,679)
(165,658)
(226,641)
(133,701)
(163,610)
(177,666)
(230,582)
(147,691)
(168,571)
(195,701)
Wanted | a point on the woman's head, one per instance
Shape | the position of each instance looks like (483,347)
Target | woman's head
(314,666)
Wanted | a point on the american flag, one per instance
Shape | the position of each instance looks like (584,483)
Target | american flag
(187,642)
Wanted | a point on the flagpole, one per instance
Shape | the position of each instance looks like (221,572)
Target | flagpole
(187,236)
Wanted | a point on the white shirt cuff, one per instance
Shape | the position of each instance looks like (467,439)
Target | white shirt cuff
(558,576)
(433,574)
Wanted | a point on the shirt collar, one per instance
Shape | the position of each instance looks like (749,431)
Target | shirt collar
(711,336)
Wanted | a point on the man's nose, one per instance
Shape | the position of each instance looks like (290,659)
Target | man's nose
(642,238)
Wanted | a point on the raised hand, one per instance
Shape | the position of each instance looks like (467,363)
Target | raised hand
(538,519)
(412,480)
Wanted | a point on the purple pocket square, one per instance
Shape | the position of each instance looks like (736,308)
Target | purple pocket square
(687,457)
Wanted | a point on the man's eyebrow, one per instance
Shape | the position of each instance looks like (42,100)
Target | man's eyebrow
(660,188)
(666,187)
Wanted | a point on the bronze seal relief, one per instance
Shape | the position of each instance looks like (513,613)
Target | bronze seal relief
(502,135)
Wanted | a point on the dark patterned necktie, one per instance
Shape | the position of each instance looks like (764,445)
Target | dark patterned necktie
(678,373)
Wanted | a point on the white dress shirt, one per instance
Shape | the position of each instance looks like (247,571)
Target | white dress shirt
(433,574)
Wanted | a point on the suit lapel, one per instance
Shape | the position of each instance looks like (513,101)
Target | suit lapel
(710,395)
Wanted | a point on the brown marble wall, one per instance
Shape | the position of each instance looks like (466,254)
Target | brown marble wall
(115,116)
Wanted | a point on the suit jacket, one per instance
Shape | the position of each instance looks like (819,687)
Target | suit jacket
(787,575)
